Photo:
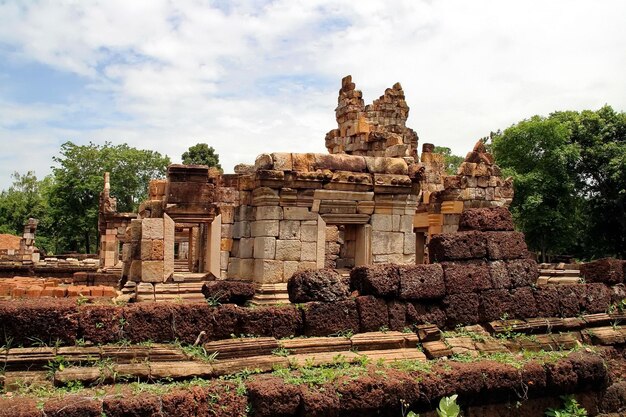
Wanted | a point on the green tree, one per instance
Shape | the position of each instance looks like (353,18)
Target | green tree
(201,154)
(452,162)
(569,174)
(27,197)
(78,182)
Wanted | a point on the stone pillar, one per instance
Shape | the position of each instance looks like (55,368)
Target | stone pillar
(363,255)
(212,247)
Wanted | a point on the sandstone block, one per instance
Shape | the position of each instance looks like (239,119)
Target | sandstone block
(269,213)
(264,247)
(246,247)
(289,268)
(246,269)
(267,271)
(241,229)
(264,228)
(308,233)
(282,161)
(289,230)
(152,271)
(288,250)
(152,228)
(298,213)
(387,242)
(309,251)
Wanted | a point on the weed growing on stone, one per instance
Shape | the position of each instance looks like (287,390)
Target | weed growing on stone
(570,408)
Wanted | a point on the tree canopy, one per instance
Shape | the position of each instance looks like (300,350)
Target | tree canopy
(201,154)
(452,162)
(569,174)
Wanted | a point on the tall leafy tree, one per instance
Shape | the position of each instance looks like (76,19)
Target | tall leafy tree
(79,180)
(201,154)
(570,181)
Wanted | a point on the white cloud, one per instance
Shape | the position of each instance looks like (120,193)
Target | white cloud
(251,76)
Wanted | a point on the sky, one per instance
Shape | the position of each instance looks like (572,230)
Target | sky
(254,76)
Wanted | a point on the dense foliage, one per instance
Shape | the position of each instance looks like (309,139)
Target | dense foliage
(570,181)
(201,154)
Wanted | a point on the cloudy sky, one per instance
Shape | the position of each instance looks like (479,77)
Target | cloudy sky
(251,76)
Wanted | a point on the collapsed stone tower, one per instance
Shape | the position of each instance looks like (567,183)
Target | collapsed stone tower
(378,129)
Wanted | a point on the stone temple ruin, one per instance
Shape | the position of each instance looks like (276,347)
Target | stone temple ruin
(371,200)
(389,285)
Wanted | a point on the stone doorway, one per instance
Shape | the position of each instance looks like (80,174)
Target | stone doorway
(347,246)
(421,254)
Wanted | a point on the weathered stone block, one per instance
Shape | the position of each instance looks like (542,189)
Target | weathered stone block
(466,277)
(455,246)
(298,213)
(152,228)
(152,271)
(264,228)
(317,285)
(499,274)
(264,247)
(409,243)
(378,280)
(269,213)
(324,319)
(288,250)
(241,229)
(494,304)
(373,314)
(246,269)
(267,271)
(419,282)
(289,230)
(522,272)
(387,242)
(308,232)
(309,251)
(608,270)
(506,245)
(246,247)
(461,309)
(382,222)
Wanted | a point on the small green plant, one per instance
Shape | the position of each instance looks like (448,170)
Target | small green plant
(348,333)
(571,408)
(448,407)
(80,342)
(99,325)
(199,352)
(383,329)
(57,364)
(281,351)
(214,300)
(81,300)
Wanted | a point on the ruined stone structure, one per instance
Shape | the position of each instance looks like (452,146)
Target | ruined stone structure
(371,200)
